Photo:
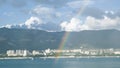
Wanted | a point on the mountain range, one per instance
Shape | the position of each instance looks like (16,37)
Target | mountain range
(32,39)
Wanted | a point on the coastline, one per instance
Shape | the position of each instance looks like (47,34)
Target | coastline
(16,58)
(59,57)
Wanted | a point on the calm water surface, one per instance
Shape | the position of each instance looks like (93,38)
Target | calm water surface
(61,63)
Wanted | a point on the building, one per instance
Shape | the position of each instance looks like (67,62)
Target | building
(18,53)
(10,53)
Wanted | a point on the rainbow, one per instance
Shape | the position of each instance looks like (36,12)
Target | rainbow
(81,10)
(63,42)
(67,34)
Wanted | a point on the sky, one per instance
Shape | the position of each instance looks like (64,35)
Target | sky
(60,15)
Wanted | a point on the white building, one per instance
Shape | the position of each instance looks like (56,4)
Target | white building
(34,52)
(18,53)
(26,53)
(117,52)
(47,50)
(11,53)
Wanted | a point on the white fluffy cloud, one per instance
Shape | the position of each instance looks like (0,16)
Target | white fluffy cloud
(111,12)
(73,25)
(46,13)
(7,26)
(105,23)
(64,18)
(33,22)
(91,23)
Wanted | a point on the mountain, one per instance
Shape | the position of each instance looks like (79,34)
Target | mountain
(38,39)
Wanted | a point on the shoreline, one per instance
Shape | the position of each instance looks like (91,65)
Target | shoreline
(83,57)
(60,57)
(16,58)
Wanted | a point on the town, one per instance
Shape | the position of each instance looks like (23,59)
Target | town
(63,53)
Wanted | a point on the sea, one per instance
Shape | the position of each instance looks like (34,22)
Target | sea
(61,63)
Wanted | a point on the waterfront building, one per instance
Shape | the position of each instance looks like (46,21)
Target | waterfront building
(117,52)
(18,53)
(10,53)
(34,52)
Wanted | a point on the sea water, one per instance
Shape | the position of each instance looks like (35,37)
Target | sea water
(61,63)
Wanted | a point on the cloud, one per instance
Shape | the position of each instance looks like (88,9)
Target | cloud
(94,12)
(78,3)
(51,14)
(56,15)
(40,10)
(117,13)
(33,22)
(109,12)
(43,18)
(91,23)
(43,12)
(73,25)
(7,26)
(112,14)
(47,17)
(85,8)
(105,23)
